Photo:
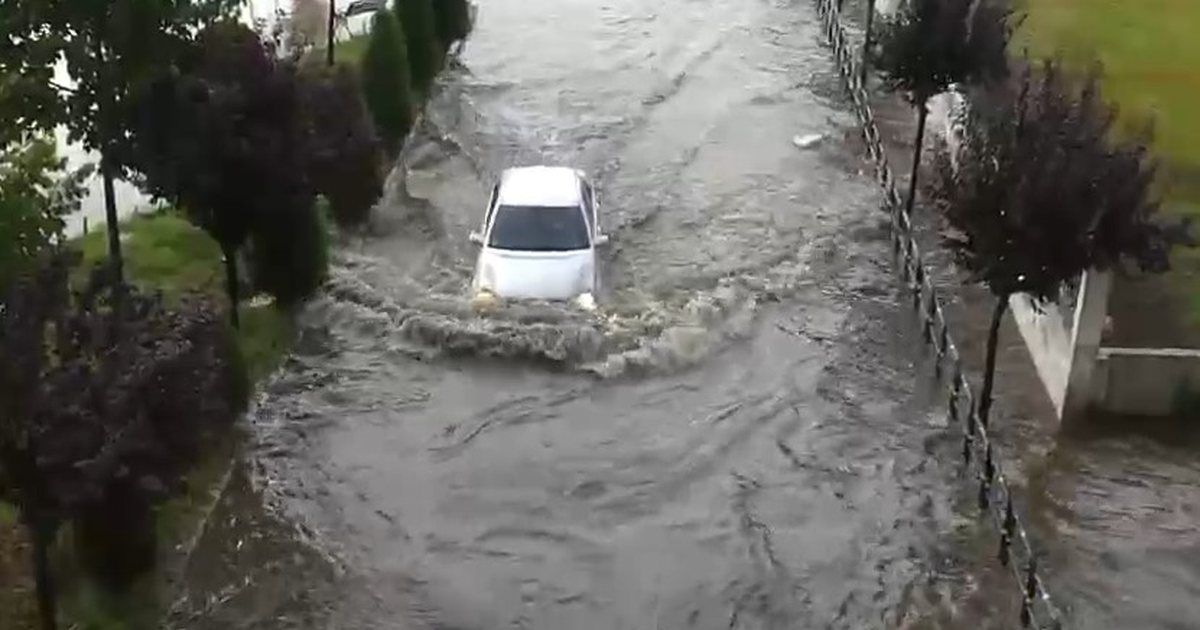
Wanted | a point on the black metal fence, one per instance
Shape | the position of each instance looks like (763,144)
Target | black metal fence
(981,456)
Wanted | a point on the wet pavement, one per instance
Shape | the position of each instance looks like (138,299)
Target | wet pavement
(748,434)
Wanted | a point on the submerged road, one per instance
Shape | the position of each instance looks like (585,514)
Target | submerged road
(747,435)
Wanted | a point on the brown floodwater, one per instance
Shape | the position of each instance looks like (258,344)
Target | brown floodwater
(748,434)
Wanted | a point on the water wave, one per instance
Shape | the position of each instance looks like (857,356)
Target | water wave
(655,337)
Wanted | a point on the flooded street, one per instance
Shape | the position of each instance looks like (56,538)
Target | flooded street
(747,434)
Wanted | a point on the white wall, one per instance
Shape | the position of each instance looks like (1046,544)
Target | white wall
(1049,345)
(1146,381)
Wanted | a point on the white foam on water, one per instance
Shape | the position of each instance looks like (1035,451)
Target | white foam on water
(653,336)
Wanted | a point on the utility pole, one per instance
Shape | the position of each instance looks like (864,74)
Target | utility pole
(866,59)
(330,34)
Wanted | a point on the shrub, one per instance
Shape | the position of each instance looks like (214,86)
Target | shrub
(425,56)
(452,18)
(107,398)
(344,154)
(226,138)
(35,195)
(290,254)
(386,81)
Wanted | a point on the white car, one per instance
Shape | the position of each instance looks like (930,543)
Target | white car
(539,237)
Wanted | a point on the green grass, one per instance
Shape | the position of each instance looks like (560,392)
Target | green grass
(1150,55)
(264,338)
(1151,60)
(176,513)
(347,51)
(351,50)
(163,252)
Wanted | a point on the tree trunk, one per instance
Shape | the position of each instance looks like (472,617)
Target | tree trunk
(329,34)
(922,116)
(114,226)
(43,578)
(866,58)
(231,283)
(104,127)
(989,374)
(116,541)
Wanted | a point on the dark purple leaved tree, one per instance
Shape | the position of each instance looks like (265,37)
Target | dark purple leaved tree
(927,46)
(225,138)
(1039,192)
(104,404)
(345,157)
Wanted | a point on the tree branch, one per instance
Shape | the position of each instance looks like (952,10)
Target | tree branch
(62,88)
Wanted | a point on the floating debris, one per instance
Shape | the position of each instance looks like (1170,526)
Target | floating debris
(808,141)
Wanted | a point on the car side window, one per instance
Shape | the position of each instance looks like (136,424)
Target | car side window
(491,207)
(589,210)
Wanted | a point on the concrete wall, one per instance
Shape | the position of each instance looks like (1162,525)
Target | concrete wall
(1147,381)
(1049,345)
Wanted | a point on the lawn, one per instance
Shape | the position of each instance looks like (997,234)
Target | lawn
(351,51)
(1151,61)
(348,51)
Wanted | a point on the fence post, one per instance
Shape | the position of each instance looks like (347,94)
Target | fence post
(1006,532)
(867,43)
(1030,593)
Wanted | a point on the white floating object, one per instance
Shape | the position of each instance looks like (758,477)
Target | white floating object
(807,141)
(586,301)
(484,302)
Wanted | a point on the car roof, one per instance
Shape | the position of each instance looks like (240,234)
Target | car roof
(540,186)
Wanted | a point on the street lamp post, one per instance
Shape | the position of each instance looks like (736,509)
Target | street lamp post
(330,34)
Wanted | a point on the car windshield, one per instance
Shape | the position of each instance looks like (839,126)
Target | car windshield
(539,229)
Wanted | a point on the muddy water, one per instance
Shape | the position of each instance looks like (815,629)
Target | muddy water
(745,435)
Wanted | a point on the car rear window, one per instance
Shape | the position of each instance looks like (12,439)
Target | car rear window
(539,229)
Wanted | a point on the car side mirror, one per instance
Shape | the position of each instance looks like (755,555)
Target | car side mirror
(601,240)
(476,237)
